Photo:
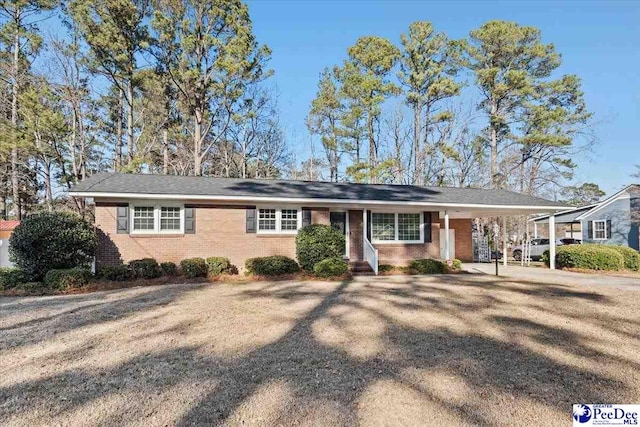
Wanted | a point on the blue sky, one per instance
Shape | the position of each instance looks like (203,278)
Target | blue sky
(598,41)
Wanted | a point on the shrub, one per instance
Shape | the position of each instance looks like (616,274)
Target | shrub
(168,268)
(117,273)
(383,268)
(194,267)
(428,266)
(146,268)
(69,278)
(631,257)
(32,287)
(331,267)
(52,240)
(218,265)
(11,278)
(317,242)
(590,257)
(456,264)
(271,266)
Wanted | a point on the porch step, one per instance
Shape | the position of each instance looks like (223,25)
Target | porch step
(360,268)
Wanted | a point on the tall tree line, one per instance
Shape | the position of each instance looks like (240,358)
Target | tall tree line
(162,86)
(488,110)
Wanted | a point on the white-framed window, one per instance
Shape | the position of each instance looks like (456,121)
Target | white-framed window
(153,218)
(279,220)
(396,227)
(599,230)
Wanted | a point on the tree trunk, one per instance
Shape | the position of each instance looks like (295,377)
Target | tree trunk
(48,192)
(418,173)
(372,150)
(15,180)
(119,130)
(130,121)
(197,143)
(165,151)
(494,145)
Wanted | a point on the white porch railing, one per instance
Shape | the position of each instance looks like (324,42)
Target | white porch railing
(371,255)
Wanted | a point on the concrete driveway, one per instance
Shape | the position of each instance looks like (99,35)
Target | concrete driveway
(629,281)
(400,350)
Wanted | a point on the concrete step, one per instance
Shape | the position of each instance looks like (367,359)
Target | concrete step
(360,268)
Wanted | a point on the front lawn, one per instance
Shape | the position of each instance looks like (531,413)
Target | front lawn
(401,350)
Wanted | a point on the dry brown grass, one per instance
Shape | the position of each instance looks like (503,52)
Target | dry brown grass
(439,350)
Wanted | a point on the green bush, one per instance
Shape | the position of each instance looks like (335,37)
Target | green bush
(69,278)
(317,242)
(428,266)
(271,266)
(545,257)
(11,278)
(218,265)
(630,255)
(33,287)
(116,273)
(168,268)
(194,267)
(331,267)
(52,240)
(383,268)
(456,264)
(146,268)
(590,257)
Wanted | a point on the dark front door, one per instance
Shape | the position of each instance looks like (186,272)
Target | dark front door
(339,222)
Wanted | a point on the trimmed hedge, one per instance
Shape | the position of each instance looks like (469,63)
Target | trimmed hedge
(331,267)
(69,278)
(146,268)
(52,240)
(218,265)
(456,264)
(428,266)
(194,267)
(589,257)
(631,257)
(11,278)
(271,266)
(116,273)
(317,242)
(168,268)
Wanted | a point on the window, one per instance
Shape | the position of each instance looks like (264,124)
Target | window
(274,220)
(170,218)
(267,220)
(143,218)
(383,226)
(156,219)
(408,226)
(289,219)
(396,227)
(599,230)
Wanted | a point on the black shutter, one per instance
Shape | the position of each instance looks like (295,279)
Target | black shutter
(590,230)
(427,227)
(608,236)
(306,217)
(369,225)
(122,220)
(251,220)
(189,220)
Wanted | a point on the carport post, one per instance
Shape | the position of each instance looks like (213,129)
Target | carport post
(535,230)
(446,236)
(504,241)
(552,241)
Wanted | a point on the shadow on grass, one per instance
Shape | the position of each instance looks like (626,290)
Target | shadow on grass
(318,371)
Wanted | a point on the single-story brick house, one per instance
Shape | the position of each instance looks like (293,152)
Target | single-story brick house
(171,217)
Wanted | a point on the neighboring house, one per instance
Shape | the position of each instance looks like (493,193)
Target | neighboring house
(171,218)
(6,229)
(613,221)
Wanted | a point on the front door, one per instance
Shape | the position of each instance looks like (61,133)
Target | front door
(339,221)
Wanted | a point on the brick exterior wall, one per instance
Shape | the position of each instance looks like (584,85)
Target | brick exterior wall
(221,231)
(464,236)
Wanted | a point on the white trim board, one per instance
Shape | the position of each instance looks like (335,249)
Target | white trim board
(311,201)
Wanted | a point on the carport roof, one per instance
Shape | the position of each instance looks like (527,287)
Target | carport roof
(148,186)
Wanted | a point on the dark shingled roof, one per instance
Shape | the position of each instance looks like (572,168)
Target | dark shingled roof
(211,186)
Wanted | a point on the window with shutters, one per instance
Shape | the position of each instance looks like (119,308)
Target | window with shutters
(279,220)
(391,227)
(157,218)
(599,230)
